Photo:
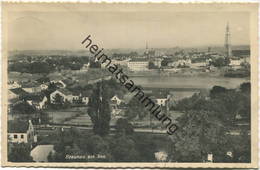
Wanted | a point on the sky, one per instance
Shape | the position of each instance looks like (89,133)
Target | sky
(59,30)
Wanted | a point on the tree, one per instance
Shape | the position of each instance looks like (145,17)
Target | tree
(245,87)
(201,133)
(205,122)
(67,143)
(165,62)
(18,67)
(124,127)
(58,99)
(39,67)
(123,150)
(97,145)
(94,64)
(226,103)
(51,88)
(59,147)
(19,153)
(29,58)
(245,65)
(230,102)
(99,110)
(151,65)
(148,146)
(188,103)
(216,90)
(220,62)
(24,108)
(242,147)
(135,108)
(75,66)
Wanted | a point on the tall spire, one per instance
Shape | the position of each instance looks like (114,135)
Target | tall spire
(146,52)
(228,51)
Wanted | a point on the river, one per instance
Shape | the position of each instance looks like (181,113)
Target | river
(182,87)
(201,82)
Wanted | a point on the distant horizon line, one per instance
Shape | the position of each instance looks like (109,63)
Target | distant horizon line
(132,48)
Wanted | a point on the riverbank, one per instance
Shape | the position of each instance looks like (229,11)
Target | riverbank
(187,72)
(184,72)
(188,82)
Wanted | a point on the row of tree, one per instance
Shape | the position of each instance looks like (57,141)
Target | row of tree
(205,123)
(123,146)
(49,65)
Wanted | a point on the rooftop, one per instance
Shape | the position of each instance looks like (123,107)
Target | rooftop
(30,84)
(76,92)
(68,81)
(13,101)
(40,152)
(138,60)
(43,80)
(65,91)
(15,126)
(37,97)
(58,84)
(119,95)
(160,95)
(18,91)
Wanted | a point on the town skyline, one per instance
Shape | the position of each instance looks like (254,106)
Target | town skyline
(140,48)
(113,29)
(127,83)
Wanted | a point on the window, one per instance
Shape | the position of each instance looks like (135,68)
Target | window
(22,136)
(15,136)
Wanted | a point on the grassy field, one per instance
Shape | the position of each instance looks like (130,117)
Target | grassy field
(79,116)
(82,119)
(63,115)
(73,116)
(83,78)
(16,76)
(150,120)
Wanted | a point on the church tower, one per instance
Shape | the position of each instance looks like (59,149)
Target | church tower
(228,52)
(146,52)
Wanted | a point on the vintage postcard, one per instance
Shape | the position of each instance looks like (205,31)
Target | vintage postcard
(130,85)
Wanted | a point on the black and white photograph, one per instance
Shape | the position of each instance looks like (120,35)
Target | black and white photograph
(130,85)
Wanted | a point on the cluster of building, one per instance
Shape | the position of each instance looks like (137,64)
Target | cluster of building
(169,62)
(33,92)
(118,102)
(24,132)
(153,60)
(21,132)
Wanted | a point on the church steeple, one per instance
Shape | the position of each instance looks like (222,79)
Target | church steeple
(228,51)
(146,52)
